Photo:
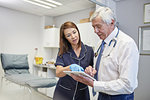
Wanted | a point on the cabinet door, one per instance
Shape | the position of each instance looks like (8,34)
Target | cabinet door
(88,36)
(51,37)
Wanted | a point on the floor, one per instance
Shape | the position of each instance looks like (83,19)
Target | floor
(12,91)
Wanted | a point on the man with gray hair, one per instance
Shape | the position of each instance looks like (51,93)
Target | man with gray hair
(116,60)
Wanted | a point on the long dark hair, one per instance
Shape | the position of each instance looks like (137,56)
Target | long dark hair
(63,43)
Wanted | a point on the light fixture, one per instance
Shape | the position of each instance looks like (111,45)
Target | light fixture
(44,3)
(54,2)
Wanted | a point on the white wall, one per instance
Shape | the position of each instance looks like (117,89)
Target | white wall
(19,32)
(48,20)
(75,17)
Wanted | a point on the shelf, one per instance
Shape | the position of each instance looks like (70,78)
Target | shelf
(45,66)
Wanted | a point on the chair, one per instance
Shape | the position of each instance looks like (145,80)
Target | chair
(16,70)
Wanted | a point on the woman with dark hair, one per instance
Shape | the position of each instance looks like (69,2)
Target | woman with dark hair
(73,55)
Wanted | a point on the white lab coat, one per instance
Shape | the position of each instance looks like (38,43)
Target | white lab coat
(118,66)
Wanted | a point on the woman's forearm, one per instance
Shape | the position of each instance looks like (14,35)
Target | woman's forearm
(60,69)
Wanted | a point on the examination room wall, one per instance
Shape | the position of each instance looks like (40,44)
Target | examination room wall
(74,16)
(130,17)
(19,32)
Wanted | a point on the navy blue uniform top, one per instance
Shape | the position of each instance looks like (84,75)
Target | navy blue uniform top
(84,60)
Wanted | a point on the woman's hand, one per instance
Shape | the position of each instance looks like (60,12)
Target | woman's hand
(75,67)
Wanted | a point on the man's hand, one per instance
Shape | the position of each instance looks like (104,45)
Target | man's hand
(83,79)
(91,71)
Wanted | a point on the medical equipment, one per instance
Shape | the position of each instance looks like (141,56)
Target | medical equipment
(113,40)
(16,70)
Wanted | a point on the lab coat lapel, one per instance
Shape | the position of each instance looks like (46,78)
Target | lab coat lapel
(82,53)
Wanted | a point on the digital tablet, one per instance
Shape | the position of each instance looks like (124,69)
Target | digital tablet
(79,73)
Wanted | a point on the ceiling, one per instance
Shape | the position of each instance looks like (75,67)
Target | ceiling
(67,7)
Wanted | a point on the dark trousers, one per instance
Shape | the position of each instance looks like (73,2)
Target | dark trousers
(103,96)
(64,94)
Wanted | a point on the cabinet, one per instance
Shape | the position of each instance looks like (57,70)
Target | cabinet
(88,36)
(51,38)
(49,73)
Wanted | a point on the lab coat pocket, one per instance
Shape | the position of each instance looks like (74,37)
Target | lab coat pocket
(84,88)
(66,83)
(64,87)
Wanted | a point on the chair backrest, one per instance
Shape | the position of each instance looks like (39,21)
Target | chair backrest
(14,63)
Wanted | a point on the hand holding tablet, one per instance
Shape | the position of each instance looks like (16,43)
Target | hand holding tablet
(79,73)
